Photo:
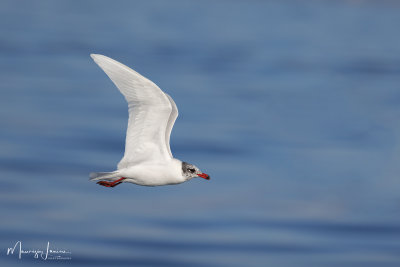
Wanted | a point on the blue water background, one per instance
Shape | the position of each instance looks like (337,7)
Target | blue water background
(292,107)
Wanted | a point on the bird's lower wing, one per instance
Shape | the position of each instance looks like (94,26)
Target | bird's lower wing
(145,136)
(149,113)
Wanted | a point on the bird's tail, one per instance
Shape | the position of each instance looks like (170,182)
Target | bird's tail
(111,176)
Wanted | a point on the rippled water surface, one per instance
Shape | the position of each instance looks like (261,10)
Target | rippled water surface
(292,107)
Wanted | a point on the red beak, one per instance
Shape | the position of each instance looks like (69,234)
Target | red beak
(204,175)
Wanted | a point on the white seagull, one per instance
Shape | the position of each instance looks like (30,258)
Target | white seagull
(152,113)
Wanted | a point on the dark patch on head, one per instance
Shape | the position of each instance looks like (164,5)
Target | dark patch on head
(188,170)
(185,166)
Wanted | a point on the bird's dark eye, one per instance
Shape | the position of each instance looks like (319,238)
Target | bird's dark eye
(191,170)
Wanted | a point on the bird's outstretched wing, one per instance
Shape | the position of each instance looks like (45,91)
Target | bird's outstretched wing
(152,114)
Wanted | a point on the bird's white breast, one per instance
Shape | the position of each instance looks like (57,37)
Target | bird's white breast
(154,173)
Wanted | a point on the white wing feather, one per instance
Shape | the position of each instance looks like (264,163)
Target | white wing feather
(171,121)
(152,114)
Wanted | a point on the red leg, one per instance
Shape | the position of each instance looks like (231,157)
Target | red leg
(111,184)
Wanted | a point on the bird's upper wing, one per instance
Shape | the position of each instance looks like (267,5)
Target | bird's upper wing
(152,114)
(171,121)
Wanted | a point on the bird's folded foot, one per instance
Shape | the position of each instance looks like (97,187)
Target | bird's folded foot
(111,184)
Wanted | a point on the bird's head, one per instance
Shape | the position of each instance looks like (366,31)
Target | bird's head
(190,171)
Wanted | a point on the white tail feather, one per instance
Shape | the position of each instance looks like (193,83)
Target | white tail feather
(111,176)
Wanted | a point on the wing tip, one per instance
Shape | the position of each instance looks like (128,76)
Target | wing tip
(96,56)
(101,60)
